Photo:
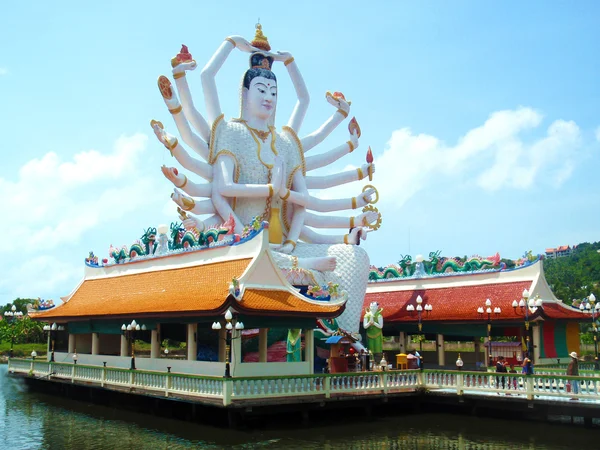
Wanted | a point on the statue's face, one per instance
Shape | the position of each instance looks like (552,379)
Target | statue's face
(374,307)
(261,98)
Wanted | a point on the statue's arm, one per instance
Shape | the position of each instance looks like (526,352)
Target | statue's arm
(328,205)
(298,215)
(379,323)
(199,208)
(324,159)
(181,155)
(337,179)
(320,221)
(299,112)
(187,102)
(366,322)
(222,205)
(209,86)
(176,110)
(316,137)
(227,187)
(189,187)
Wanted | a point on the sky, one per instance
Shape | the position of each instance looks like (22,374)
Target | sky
(483,118)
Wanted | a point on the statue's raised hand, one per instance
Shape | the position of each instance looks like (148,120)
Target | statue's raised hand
(242,44)
(366,197)
(278,174)
(367,218)
(281,56)
(184,67)
(354,139)
(355,235)
(173,175)
(339,102)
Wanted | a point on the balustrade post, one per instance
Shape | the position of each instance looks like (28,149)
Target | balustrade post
(327,387)
(529,382)
(31,369)
(227,391)
(167,383)
(460,384)
(131,378)
(73,373)
(383,381)
(420,379)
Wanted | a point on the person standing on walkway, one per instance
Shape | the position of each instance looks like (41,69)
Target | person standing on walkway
(573,371)
(501,368)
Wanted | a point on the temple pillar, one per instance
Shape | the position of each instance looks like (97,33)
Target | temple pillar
(155,343)
(222,345)
(535,343)
(72,345)
(124,346)
(309,346)
(402,344)
(95,344)
(192,347)
(262,344)
(440,350)
(236,350)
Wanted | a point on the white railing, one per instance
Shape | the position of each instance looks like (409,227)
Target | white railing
(229,390)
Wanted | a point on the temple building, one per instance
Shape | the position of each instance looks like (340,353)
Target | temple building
(179,295)
(453,308)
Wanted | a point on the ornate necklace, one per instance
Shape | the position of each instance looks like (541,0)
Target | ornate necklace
(262,135)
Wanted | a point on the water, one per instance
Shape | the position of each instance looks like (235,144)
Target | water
(37,421)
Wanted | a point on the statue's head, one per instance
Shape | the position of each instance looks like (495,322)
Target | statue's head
(259,89)
(374,307)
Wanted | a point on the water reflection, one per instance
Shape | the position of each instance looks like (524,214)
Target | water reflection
(32,420)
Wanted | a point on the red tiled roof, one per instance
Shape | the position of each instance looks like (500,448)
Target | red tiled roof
(557,311)
(451,303)
(550,250)
(562,248)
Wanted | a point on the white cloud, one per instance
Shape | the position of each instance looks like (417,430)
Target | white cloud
(55,202)
(496,155)
(56,210)
(3,71)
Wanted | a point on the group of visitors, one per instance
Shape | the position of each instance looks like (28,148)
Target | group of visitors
(508,382)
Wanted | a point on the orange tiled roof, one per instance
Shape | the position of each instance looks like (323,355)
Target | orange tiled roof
(189,289)
(556,311)
(562,248)
(281,302)
(550,250)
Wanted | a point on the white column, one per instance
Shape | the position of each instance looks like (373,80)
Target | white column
(309,345)
(124,346)
(222,345)
(72,344)
(402,340)
(155,343)
(192,348)
(487,351)
(236,351)
(440,350)
(95,344)
(537,338)
(262,344)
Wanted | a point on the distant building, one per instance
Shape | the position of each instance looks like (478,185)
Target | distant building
(563,250)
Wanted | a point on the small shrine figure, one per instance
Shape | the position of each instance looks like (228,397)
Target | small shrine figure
(294,345)
(373,324)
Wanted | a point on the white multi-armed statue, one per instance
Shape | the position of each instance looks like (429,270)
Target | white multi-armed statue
(253,171)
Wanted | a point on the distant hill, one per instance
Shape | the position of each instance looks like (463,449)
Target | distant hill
(575,277)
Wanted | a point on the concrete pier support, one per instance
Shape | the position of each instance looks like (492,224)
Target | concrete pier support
(309,344)
(441,354)
(155,343)
(192,347)
(537,338)
(403,344)
(95,344)
(72,343)
(124,346)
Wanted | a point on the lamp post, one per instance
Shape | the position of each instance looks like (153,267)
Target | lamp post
(129,333)
(488,310)
(75,357)
(589,304)
(420,308)
(11,317)
(459,363)
(527,306)
(33,354)
(52,330)
(229,327)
